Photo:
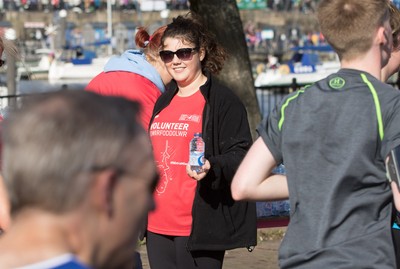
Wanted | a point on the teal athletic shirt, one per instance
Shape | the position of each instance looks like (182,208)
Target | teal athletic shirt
(333,137)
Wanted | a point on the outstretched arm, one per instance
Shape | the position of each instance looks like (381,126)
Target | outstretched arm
(254,181)
(396,195)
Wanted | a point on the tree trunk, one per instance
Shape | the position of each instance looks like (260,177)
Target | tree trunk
(223,19)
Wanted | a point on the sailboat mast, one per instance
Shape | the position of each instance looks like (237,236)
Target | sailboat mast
(109,25)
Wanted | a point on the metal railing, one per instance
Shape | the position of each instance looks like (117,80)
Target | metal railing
(270,96)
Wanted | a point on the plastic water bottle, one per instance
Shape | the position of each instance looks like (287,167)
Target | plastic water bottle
(196,153)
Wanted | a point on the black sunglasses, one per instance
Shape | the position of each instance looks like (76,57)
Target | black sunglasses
(184,54)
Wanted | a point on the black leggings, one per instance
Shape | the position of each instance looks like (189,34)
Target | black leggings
(170,252)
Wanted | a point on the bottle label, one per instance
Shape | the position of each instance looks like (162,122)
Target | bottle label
(196,159)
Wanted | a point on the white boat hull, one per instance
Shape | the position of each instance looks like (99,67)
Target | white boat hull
(275,77)
(82,72)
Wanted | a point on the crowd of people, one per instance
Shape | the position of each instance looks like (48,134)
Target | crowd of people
(89,173)
(305,6)
(84,5)
(269,40)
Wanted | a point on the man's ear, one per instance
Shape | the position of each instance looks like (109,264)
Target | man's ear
(103,191)
(380,36)
(383,37)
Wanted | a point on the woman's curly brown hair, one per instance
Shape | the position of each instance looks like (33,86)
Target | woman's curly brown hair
(190,29)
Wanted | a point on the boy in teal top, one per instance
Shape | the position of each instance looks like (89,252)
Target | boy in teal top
(334,137)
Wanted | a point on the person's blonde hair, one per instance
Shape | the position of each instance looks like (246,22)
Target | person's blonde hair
(349,25)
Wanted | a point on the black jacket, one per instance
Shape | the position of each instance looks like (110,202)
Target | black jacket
(219,222)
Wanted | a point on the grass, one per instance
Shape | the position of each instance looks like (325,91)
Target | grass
(271,234)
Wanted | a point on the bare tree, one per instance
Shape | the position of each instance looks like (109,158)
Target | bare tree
(223,19)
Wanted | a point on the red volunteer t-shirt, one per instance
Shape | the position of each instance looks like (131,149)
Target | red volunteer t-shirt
(170,133)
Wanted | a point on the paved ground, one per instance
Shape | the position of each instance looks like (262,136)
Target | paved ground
(264,256)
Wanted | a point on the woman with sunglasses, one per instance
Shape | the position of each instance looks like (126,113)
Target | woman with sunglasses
(196,219)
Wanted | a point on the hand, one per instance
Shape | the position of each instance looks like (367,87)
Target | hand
(198,176)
